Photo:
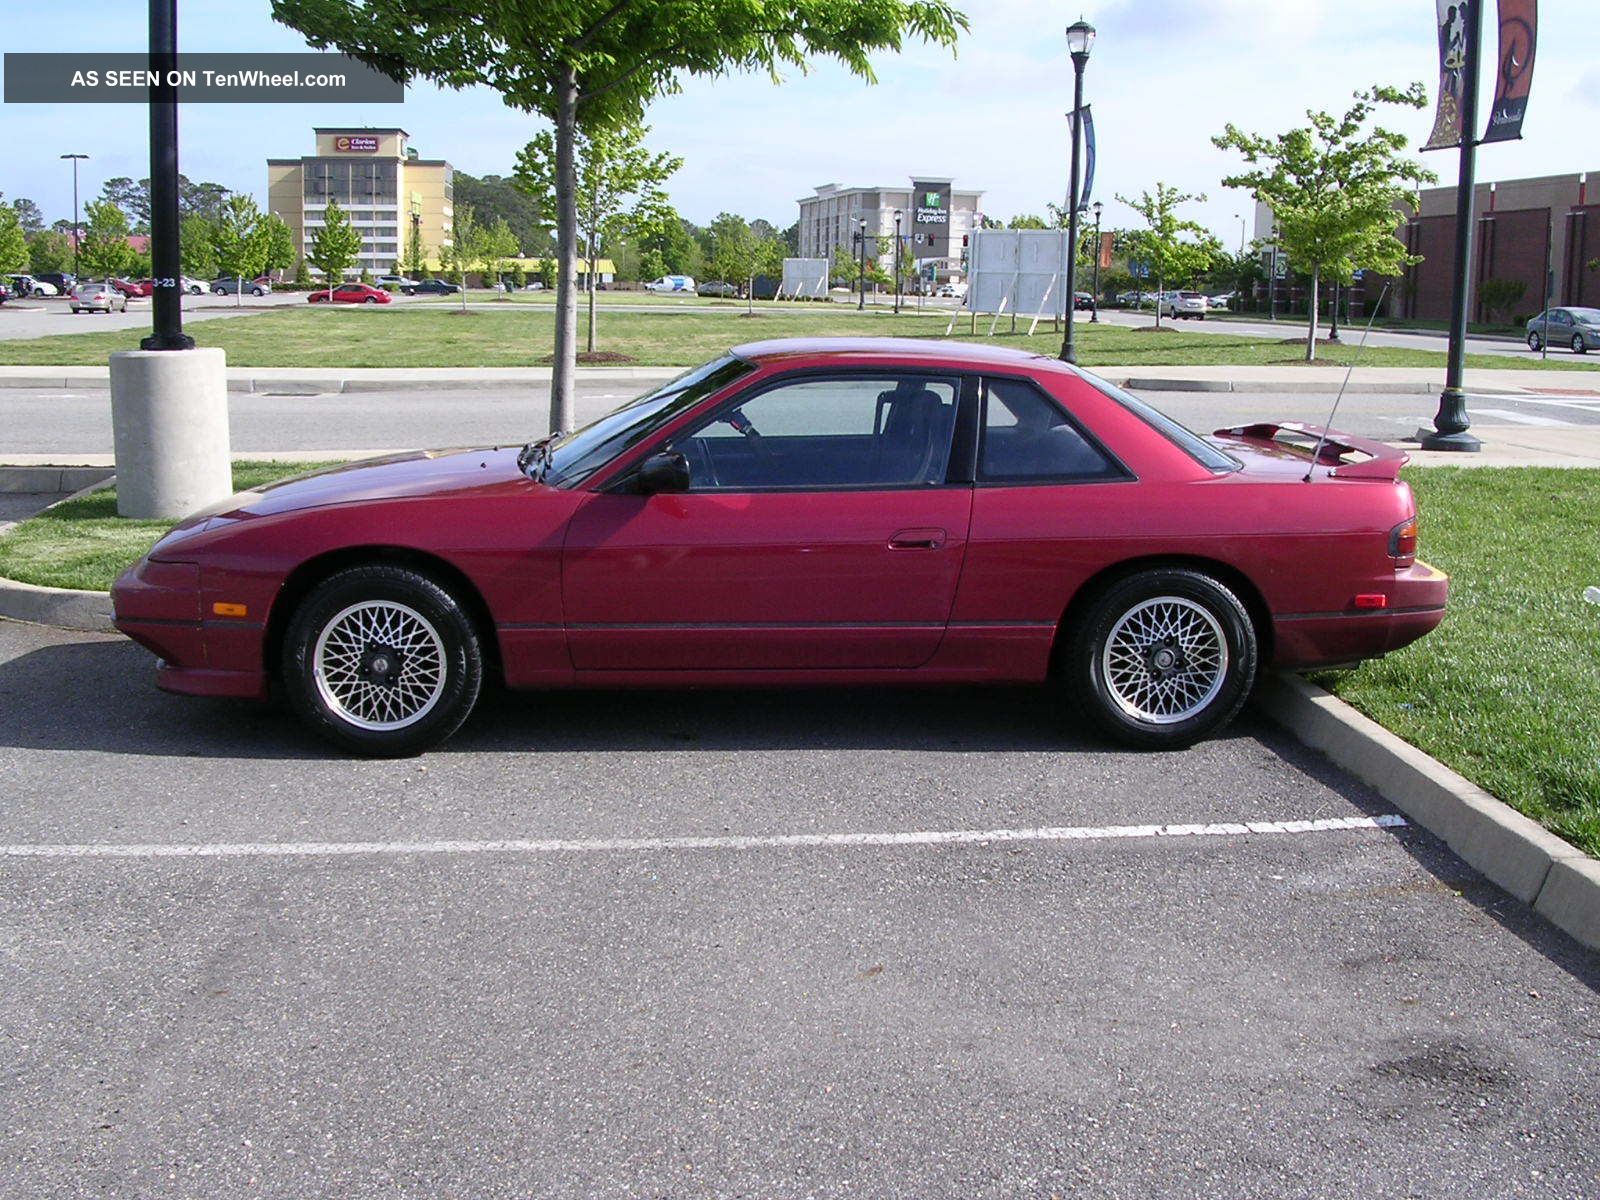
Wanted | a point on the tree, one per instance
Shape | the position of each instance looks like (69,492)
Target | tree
(845,268)
(279,242)
(416,260)
(463,250)
(239,238)
(49,250)
(1500,296)
(1170,246)
(196,246)
(496,244)
(335,246)
(29,215)
(13,243)
(492,196)
(104,251)
(132,198)
(591,64)
(666,247)
(1338,189)
(1027,221)
(619,183)
(302,274)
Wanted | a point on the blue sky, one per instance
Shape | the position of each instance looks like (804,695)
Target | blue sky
(1163,78)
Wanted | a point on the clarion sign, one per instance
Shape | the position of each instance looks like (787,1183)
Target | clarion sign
(355,143)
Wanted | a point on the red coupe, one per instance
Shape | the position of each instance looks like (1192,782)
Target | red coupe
(804,512)
(350,293)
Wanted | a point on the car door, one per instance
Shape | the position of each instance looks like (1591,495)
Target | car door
(821,530)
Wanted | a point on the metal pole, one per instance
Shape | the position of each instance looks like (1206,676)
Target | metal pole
(1450,423)
(1069,352)
(897,264)
(77,233)
(1094,313)
(861,232)
(1333,332)
(1272,279)
(166,301)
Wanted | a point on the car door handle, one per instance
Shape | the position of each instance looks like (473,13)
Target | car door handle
(917,539)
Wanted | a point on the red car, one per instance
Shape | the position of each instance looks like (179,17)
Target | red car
(804,512)
(129,287)
(350,293)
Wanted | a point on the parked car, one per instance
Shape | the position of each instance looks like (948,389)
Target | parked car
(231,286)
(436,287)
(718,287)
(1082,301)
(1221,303)
(397,283)
(28,285)
(671,283)
(98,297)
(969,514)
(61,282)
(1188,305)
(133,289)
(195,287)
(536,285)
(1578,329)
(5,292)
(351,293)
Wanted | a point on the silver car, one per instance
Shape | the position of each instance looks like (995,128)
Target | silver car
(1578,328)
(98,297)
(1188,305)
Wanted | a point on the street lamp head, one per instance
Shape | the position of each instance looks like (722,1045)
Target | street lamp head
(1080,39)
(1098,208)
(74,156)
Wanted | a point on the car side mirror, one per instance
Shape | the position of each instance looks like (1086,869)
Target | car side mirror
(664,472)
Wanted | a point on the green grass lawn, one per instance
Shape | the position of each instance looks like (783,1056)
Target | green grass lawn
(519,335)
(1507,690)
(84,544)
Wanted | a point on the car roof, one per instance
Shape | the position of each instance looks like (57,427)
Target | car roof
(899,351)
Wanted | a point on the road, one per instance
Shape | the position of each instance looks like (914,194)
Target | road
(67,422)
(1343,1012)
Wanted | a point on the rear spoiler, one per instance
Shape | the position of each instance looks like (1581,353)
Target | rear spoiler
(1380,461)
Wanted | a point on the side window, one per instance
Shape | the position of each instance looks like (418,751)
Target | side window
(836,432)
(1026,438)
(1562,317)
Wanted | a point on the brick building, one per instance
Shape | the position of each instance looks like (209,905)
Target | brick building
(1523,228)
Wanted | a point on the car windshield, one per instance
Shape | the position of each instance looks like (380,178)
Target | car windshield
(1182,436)
(578,455)
(1589,316)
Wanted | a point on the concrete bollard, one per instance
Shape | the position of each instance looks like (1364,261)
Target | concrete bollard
(169,425)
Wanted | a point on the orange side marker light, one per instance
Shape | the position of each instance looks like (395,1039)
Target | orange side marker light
(230,610)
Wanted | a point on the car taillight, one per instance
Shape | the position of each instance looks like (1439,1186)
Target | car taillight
(1403,542)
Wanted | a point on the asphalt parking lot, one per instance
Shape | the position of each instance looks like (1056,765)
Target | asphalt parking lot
(728,945)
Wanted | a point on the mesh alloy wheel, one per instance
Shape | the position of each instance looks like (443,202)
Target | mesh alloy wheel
(380,665)
(1165,660)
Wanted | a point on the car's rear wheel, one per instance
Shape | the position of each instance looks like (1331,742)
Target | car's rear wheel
(382,660)
(1162,659)
(370,300)
(1579,346)
(1534,343)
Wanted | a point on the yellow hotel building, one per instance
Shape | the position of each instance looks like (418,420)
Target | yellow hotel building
(380,182)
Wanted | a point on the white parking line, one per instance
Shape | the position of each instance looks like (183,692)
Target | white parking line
(1517,418)
(1069,833)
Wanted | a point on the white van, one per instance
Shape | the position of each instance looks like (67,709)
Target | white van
(671,283)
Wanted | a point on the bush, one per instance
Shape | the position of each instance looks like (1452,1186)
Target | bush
(1500,295)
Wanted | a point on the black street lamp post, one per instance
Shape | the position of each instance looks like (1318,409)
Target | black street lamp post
(1080,40)
(861,238)
(166,298)
(1094,312)
(897,217)
(77,232)
(1450,423)
(1272,278)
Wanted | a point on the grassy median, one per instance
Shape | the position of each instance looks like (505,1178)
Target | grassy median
(1507,690)
(84,544)
(520,334)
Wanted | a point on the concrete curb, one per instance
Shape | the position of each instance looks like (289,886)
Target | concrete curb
(89,612)
(1515,853)
(48,478)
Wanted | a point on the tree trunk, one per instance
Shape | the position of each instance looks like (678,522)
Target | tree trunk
(564,375)
(1311,331)
(594,250)
(1160,282)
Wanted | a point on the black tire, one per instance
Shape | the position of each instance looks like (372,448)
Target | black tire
(457,648)
(257,292)
(1534,343)
(1082,669)
(1579,346)
(370,300)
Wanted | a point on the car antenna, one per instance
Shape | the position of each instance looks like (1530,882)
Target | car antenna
(1322,437)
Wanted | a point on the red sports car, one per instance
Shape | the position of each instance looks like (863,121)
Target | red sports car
(804,512)
(350,293)
(133,289)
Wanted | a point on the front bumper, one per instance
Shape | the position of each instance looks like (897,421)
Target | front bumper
(158,605)
(1416,604)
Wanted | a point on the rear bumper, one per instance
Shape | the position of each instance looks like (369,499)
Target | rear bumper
(1416,606)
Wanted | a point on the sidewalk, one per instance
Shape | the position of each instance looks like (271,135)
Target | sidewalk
(1320,380)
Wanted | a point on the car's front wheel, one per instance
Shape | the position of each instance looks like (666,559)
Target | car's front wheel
(1579,346)
(382,660)
(1162,659)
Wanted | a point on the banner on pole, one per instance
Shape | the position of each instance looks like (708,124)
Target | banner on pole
(1108,244)
(1519,35)
(1447,129)
(1088,146)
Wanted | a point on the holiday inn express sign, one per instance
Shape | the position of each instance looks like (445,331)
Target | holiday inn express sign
(930,218)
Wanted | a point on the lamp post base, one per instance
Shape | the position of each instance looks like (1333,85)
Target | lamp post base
(1462,442)
(1450,425)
